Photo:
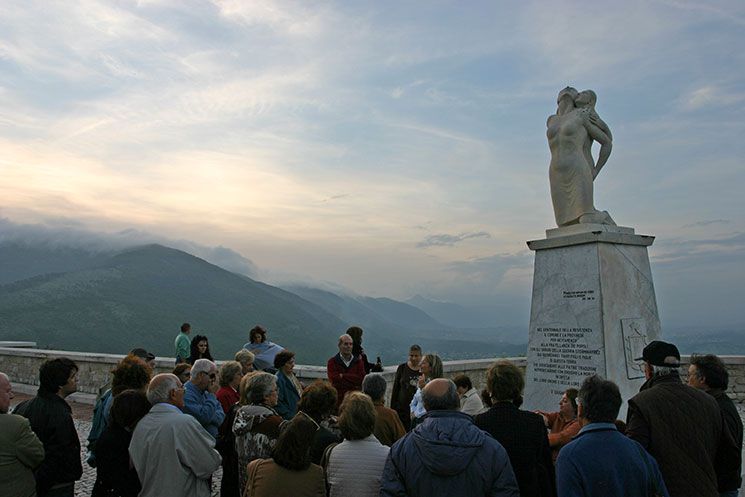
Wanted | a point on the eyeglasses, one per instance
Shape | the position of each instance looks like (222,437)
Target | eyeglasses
(318,427)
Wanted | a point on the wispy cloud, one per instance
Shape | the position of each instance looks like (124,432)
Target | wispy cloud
(70,233)
(325,138)
(706,223)
(445,240)
(335,197)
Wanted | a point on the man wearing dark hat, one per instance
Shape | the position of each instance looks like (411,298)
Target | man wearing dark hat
(146,356)
(680,426)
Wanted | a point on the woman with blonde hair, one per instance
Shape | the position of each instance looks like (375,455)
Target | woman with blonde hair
(430,368)
(246,358)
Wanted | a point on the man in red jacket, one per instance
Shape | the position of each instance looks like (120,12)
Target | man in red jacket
(345,370)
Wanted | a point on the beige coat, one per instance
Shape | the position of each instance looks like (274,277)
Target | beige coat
(21,452)
(173,455)
(268,479)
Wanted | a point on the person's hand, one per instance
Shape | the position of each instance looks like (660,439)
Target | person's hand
(421,381)
(214,386)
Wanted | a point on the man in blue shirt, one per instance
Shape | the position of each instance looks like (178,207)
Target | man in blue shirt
(200,400)
(600,460)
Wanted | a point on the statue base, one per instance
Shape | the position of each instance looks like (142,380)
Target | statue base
(593,310)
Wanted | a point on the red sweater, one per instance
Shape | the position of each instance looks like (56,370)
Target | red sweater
(227,397)
(343,378)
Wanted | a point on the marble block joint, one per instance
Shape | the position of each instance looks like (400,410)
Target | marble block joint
(593,310)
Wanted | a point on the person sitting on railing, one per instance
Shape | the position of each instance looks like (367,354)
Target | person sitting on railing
(263,350)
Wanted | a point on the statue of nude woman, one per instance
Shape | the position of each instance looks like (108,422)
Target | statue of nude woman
(571,132)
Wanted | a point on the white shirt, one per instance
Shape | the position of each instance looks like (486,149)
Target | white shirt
(470,403)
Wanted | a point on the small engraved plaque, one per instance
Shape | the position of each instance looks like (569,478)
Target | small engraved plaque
(634,340)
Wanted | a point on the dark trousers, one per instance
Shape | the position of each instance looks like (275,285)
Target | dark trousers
(66,491)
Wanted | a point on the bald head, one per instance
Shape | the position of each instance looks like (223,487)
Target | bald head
(440,394)
(166,387)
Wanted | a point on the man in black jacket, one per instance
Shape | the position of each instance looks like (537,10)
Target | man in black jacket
(522,433)
(51,419)
(708,373)
(680,426)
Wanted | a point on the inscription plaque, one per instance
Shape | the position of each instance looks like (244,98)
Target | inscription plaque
(560,357)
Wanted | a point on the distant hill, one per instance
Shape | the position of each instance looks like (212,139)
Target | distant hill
(392,326)
(20,261)
(140,296)
(110,301)
(367,311)
(458,315)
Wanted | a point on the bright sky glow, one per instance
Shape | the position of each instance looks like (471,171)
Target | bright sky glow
(393,148)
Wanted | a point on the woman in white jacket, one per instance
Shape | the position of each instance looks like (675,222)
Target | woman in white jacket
(355,466)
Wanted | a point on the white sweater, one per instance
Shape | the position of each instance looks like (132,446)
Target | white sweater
(355,468)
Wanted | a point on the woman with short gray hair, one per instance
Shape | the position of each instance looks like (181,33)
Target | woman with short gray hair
(257,425)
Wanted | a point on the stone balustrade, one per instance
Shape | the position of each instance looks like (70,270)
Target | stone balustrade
(22,366)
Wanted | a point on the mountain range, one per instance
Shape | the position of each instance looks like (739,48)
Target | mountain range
(101,298)
(69,298)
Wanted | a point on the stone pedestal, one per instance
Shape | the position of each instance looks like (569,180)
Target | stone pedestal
(593,311)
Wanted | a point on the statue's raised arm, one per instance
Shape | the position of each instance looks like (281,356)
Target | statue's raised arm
(571,132)
(596,127)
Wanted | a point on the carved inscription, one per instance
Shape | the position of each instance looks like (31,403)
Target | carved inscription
(579,294)
(562,357)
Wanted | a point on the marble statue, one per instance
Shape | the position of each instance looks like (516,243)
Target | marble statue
(571,132)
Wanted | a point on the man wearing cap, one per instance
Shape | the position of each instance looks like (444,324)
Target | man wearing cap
(680,426)
(146,356)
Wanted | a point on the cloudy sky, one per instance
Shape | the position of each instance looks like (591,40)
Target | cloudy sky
(392,148)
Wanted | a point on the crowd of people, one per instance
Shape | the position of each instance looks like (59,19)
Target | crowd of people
(160,435)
